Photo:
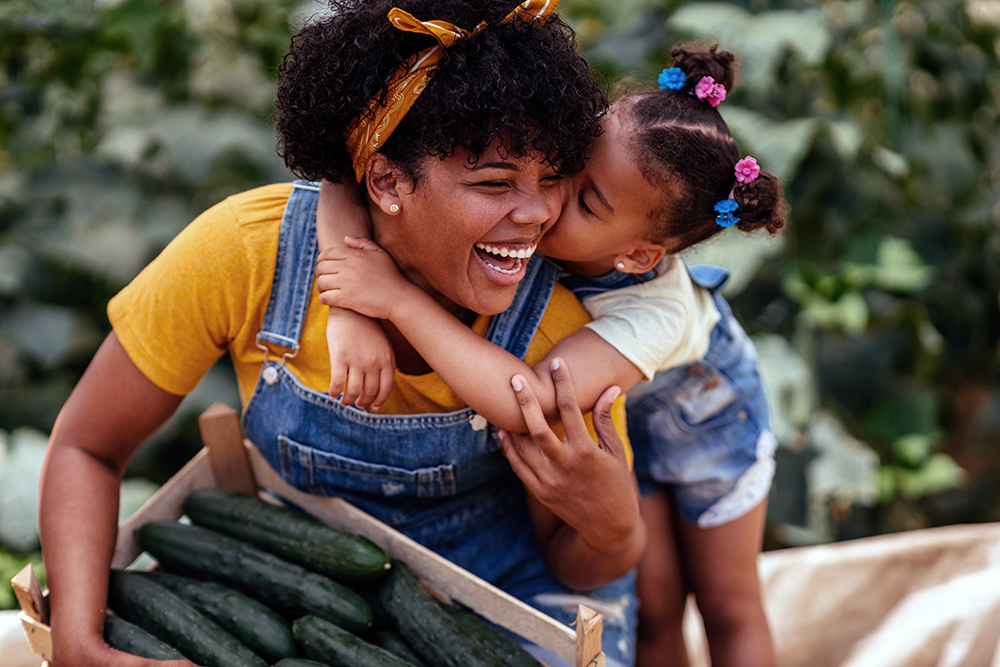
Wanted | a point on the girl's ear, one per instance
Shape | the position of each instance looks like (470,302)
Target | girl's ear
(384,180)
(641,258)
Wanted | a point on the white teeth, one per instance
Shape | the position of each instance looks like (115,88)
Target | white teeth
(520,253)
(511,271)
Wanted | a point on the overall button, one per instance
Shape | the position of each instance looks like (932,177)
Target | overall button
(270,375)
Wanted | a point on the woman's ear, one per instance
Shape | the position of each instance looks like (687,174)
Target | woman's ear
(641,258)
(384,179)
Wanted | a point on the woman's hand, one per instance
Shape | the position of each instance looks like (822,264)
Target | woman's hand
(99,654)
(361,277)
(587,485)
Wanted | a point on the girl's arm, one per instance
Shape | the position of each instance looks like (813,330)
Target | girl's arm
(110,413)
(361,358)
(583,498)
(364,278)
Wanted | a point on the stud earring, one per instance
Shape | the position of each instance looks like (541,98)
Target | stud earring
(620,266)
(393,208)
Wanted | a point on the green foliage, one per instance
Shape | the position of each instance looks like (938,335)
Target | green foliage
(880,117)
(120,121)
(10,565)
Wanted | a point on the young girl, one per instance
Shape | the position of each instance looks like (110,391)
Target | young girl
(664,176)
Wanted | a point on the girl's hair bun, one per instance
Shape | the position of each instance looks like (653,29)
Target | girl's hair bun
(698,63)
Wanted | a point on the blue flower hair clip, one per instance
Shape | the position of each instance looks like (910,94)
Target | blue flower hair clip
(672,78)
(725,210)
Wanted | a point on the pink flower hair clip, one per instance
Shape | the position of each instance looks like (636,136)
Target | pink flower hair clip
(708,90)
(747,170)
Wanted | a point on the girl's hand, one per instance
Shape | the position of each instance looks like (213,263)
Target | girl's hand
(587,484)
(361,277)
(361,359)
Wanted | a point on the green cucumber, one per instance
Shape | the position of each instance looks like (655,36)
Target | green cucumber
(394,643)
(260,628)
(163,614)
(285,532)
(322,640)
(427,627)
(130,638)
(498,642)
(284,586)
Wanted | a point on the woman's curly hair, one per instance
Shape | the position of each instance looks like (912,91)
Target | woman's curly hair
(517,83)
(684,146)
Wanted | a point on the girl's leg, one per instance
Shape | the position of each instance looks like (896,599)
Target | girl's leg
(721,565)
(661,588)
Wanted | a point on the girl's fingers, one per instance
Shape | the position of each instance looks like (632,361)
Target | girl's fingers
(368,391)
(385,380)
(569,409)
(361,243)
(355,387)
(338,376)
(534,418)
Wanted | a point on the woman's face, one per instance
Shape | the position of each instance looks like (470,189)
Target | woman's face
(606,207)
(464,233)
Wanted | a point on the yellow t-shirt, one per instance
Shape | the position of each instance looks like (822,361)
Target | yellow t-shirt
(208,291)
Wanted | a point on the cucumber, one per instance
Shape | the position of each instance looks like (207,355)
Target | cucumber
(427,627)
(394,643)
(285,532)
(130,638)
(205,554)
(321,639)
(498,642)
(260,628)
(163,614)
(299,662)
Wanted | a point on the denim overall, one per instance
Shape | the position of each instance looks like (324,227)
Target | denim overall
(441,479)
(702,429)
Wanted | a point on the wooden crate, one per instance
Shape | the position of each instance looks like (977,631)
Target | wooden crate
(230,462)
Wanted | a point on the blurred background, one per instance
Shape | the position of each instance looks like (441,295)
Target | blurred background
(876,313)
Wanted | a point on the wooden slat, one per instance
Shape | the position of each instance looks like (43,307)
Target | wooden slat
(164,505)
(38,635)
(29,594)
(222,435)
(589,626)
(441,574)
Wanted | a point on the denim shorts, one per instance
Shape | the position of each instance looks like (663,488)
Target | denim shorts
(704,430)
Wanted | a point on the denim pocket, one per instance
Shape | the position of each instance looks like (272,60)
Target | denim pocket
(327,473)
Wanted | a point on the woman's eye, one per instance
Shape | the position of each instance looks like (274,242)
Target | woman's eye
(495,185)
(554,179)
(583,204)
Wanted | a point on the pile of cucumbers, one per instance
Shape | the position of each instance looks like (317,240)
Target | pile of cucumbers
(250,584)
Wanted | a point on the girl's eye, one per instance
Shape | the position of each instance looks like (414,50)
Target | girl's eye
(583,204)
(554,179)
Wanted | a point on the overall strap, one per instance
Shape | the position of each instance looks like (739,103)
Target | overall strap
(514,328)
(293,269)
(709,276)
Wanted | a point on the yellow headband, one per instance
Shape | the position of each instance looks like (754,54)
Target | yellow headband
(412,76)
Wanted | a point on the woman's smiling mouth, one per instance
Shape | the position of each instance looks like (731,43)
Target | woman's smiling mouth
(504,259)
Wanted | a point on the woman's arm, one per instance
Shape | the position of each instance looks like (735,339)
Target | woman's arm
(364,278)
(110,413)
(583,498)
(361,359)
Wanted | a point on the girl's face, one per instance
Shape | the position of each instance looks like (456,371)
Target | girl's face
(464,233)
(606,208)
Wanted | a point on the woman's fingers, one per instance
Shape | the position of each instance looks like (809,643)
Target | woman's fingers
(534,418)
(569,409)
(513,448)
(607,434)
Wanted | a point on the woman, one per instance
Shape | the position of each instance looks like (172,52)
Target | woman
(475,160)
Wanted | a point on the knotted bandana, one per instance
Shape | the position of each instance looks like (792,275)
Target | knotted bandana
(412,76)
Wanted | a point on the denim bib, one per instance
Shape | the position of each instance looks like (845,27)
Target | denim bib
(440,478)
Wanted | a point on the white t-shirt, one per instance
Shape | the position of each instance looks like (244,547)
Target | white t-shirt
(659,324)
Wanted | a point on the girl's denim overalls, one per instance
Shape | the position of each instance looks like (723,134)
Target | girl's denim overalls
(704,429)
(442,479)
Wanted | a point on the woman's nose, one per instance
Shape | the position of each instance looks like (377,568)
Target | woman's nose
(539,206)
